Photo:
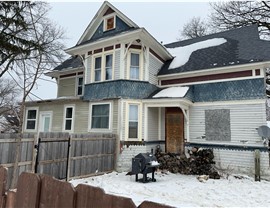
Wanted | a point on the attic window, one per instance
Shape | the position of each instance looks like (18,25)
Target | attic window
(109,23)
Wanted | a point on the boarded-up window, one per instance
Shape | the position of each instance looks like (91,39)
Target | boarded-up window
(217,125)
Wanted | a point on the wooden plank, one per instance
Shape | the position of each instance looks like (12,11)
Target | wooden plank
(11,199)
(28,190)
(89,197)
(148,204)
(90,156)
(55,193)
(112,201)
(3,185)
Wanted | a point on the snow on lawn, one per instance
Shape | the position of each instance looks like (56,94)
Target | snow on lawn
(172,92)
(182,54)
(185,190)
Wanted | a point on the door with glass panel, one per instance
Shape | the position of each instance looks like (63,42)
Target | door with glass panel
(45,121)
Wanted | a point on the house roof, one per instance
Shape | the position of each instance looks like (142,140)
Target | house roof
(241,46)
(72,62)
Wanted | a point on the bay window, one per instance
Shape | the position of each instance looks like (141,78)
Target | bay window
(134,65)
(103,67)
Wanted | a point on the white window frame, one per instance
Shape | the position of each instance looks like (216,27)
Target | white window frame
(72,119)
(77,85)
(103,66)
(90,129)
(139,121)
(135,51)
(36,119)
(105,20)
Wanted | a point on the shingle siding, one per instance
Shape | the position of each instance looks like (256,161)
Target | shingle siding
(118,89)
(232,90)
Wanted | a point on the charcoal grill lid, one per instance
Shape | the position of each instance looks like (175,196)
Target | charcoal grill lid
(264,131)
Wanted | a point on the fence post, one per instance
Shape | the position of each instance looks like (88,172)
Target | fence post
(257,165)
(3,184)
(34,152)
(68,158)
(37,148)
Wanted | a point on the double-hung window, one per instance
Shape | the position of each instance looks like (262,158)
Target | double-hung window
(103,67)
(133,121)
(108,67)
(134,66)
(31,119)
(98,69)
(79,86)
(68,118)
(100,118)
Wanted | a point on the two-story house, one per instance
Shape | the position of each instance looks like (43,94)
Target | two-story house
(207,91)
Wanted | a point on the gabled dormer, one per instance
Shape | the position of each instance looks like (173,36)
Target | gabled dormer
(108,21)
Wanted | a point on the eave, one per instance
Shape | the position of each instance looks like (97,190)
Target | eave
(54,74)
(232,68)
(125,37)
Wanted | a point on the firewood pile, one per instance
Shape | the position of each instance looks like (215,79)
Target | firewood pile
(197,162)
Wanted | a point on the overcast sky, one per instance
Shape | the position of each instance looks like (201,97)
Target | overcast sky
(160,19)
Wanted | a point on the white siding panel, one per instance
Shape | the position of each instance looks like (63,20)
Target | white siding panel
(154,67)
(244,120)
(88,69)
(237,161)
(117,64)
(162,125)
(152,124)
(115,117)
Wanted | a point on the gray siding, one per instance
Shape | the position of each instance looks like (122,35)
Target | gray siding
(88,70)
(154,66)
(66,87)
(152,124)
(162,124)
(244,118)
(117,64)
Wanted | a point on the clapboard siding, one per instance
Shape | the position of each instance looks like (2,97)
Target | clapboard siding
(239,161)
(66,87)
(88,70)
(117,64)
(154,66)
(152,124)
(115,117)
(81,117)
(244,121)
(162,125)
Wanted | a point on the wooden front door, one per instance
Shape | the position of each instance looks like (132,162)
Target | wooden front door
(174,130)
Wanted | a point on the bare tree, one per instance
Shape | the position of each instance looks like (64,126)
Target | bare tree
(8,106)
(27,68)
(234,14)
(196,27)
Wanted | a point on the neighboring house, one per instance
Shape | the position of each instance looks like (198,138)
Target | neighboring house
(207,91)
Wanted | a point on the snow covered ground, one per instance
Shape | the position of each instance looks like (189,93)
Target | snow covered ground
(185,190)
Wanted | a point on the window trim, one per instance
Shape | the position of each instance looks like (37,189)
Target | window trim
(139,121)
(77,85)
(40,119)
(90,129)
(72,119)
(36,120)
(135,51)
(105,20)
(103,66)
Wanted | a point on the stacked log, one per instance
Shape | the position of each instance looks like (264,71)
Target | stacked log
(197,162)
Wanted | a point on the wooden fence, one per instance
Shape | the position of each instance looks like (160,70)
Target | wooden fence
(62,155)
(41,191)
(8,144)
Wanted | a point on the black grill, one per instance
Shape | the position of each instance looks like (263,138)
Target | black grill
(144,163)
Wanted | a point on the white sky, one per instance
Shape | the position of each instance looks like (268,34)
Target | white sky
(162,20)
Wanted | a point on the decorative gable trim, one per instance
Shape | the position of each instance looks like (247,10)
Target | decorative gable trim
(109,11)
(105,9)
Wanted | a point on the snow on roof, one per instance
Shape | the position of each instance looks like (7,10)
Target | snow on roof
(182,54)
(172,92)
